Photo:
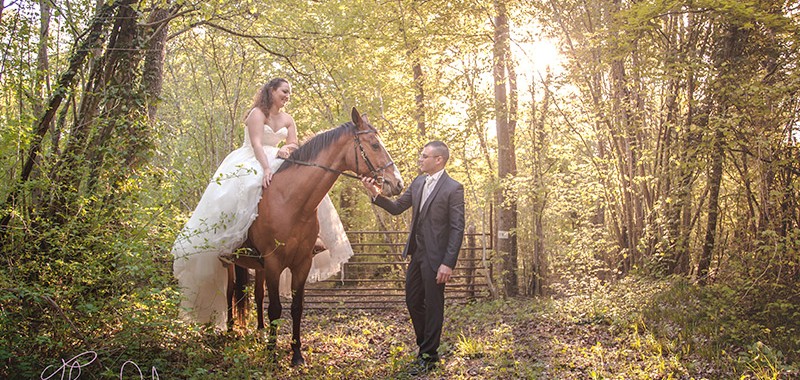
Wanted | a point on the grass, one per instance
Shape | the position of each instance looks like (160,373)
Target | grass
(631,330)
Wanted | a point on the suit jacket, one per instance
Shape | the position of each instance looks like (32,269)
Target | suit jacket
(440,219)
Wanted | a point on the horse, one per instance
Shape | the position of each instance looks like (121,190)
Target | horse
(285,231)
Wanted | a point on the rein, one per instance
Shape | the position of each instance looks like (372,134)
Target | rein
(375,173)
(332,170)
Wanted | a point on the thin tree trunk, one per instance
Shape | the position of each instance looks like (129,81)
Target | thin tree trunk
(418,75)
(477,119)
(680,179)
(419,98)
(41,84)
(538,137)
(714,184)
(683,192)
(624,126)
(42,62)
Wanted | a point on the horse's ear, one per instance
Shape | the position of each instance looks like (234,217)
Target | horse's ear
(356,116)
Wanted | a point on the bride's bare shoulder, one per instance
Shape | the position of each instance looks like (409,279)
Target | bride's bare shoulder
(255,116)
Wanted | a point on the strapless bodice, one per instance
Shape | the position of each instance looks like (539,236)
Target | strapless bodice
(270,137)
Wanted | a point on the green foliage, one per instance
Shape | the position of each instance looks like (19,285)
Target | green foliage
(639,328)
(95,275)
(100,282)
(718,322)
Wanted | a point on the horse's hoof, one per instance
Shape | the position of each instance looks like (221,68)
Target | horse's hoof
(296,361)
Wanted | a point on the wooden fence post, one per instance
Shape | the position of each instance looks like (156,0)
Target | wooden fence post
(470,267)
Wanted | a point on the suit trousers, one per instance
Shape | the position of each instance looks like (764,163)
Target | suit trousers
(425,302)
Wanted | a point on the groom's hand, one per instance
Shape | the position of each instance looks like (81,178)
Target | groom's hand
(443,275)
(372,188)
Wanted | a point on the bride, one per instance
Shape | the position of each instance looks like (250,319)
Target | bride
(228,206)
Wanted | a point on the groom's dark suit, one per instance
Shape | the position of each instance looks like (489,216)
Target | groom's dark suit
(437,229)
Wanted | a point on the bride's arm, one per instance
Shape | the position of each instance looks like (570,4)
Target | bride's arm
(291,139)
(255,129)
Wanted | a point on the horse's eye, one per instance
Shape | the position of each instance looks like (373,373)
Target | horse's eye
(376,146)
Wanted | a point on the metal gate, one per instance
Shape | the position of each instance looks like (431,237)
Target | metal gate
(374,278)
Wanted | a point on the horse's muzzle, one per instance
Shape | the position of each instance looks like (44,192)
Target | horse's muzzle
(391,188)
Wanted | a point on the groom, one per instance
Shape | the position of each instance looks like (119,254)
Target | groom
(437,228)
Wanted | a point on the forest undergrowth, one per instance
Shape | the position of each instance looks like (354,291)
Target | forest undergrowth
(637,328)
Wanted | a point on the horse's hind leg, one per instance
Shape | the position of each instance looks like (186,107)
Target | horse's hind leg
(229,294)
(259,294)
(234,294)
(240,299)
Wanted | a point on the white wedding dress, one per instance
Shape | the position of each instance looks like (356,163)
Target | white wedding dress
(219,225)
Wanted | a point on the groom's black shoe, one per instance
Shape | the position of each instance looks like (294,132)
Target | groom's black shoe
(420,367)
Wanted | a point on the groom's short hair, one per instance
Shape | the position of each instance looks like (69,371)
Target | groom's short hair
(440,148)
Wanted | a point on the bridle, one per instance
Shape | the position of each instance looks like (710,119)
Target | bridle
(375,173)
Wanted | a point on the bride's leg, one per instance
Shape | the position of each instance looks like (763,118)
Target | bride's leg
(319,246)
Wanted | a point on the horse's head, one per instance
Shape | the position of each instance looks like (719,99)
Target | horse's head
(372,159)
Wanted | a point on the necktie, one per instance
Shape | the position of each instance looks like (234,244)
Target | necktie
(426,190)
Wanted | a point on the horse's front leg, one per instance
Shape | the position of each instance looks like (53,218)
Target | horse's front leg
(273,309)
(298,292)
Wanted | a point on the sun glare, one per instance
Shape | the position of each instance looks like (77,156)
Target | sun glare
(535,58)
(540,55)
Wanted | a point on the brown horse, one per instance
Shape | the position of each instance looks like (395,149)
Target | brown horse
(284,233)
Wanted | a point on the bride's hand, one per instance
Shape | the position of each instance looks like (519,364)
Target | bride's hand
(283,152)
(286,150)
(267,178)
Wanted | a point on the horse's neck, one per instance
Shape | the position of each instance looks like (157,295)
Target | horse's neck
(309,184)
(307,190)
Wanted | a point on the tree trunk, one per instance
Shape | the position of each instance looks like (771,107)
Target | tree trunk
(108,87)
(76,62)
(117,123)
(42,82)
(153,72)
(695,121)
(728,50)
(623,130)
(506,165)
(418,84)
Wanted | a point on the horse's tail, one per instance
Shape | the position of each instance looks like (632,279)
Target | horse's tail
(239,296)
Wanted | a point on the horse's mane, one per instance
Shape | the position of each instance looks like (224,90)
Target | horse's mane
(310,148)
